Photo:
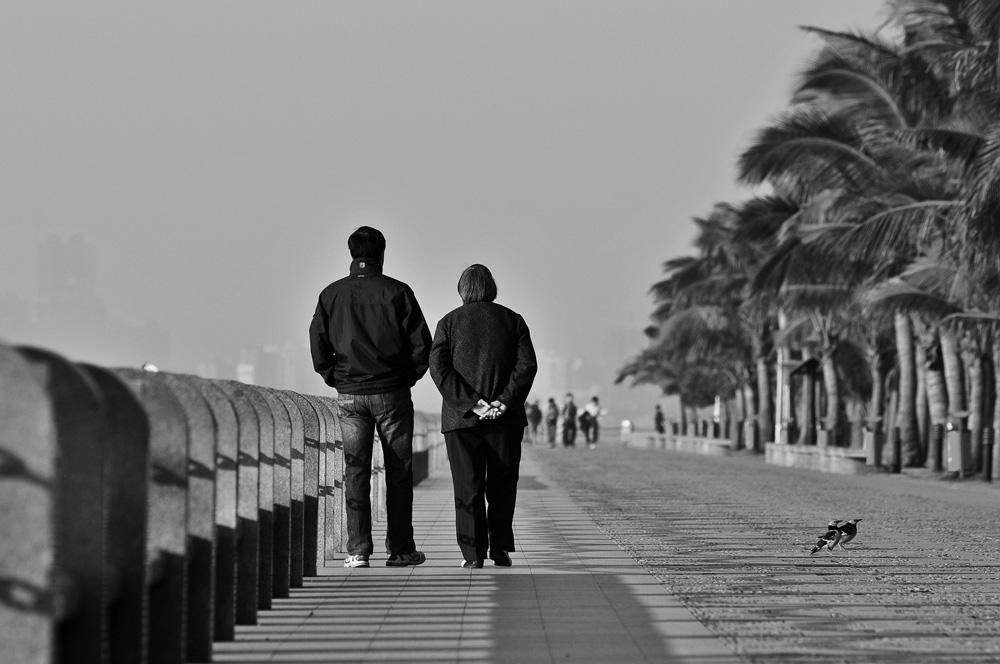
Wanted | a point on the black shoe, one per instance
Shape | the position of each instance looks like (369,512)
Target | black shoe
(405,559)
(472,564)
(501,558)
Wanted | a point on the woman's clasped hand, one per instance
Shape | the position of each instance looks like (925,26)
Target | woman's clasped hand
(489,411)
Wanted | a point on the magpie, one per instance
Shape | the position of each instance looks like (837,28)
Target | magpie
(829,539)
(848,531)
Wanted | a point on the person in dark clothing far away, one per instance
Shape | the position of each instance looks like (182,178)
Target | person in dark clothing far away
(551,421)
(659,421)
(568,417)
(370,342)
(534,419)
(483,363)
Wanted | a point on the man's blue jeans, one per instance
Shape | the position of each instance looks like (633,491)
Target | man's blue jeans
(391,414)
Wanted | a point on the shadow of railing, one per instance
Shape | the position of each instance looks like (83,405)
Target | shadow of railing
(146,514)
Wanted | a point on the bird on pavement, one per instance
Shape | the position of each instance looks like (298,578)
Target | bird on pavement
(829,539)
(848,531)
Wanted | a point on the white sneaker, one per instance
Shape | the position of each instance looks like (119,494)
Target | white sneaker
(360,560)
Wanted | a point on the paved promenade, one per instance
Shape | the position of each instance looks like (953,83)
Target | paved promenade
(572,596)
(633,555)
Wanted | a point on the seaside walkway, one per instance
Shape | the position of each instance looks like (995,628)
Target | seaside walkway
(572,595)
(639,555)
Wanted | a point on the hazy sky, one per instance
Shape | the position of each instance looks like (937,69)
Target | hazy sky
(218,154)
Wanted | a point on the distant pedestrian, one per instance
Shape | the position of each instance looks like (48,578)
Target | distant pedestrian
(534,419)
(369,341)
(593,411)
(483,363)
(551,421)
(567,417)
(627,428)
(659,421)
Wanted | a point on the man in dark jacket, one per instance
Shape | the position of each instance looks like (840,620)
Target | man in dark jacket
(369,340)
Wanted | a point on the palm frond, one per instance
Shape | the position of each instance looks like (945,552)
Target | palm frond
(816,297)
(796,332)
(878,79)
(898,296)
(962,144)
(895,231)
(818,150)
(931,276)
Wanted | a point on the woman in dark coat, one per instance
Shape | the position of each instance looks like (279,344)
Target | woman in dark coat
(483,363)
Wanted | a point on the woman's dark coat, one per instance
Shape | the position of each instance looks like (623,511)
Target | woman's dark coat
(482,350)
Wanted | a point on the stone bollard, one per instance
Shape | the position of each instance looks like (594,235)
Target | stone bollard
(167,515)
(78,562)
(28,488)
(226,454)
(247,495)
(282,494)
(310,484)
(897,451)
(750,435)
(957,450)
(331,499)
(421,455)
(336,506)
(935,455)
(265,495)
(200,517)
(296,508)
(126,491)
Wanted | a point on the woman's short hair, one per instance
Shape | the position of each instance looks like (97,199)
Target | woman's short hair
(477,285)
(366,242)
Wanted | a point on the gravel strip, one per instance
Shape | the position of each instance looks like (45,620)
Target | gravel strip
(731,536)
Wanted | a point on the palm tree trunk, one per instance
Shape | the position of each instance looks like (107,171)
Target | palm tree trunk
(937,404)
(996,404)
(906,416)
(751,414)
(923,407)
(954,378)
(876,407)
(765,401)
(684,417)
(832,385)
(974,369)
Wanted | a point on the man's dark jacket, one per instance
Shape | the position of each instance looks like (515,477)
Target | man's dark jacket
(368,335)
(482,350)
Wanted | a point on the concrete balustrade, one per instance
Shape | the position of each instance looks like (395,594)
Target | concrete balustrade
(148,514)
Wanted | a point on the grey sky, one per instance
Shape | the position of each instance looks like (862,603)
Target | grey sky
(218,154)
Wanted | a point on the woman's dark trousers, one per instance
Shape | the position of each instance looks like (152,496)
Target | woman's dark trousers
(485,461)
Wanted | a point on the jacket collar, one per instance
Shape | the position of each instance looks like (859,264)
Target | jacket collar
(365,267)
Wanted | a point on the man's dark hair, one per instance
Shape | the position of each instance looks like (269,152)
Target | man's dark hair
(366,242)
(477,285)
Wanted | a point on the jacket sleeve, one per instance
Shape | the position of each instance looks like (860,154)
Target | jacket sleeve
(418,334)
(319,344)
(458,395)
(525,367)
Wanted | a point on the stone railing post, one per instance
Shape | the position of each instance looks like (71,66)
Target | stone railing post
(226,455)
(200,601)
(281,495)
(166,545)
(296,509)
(247,495)
(28,494)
